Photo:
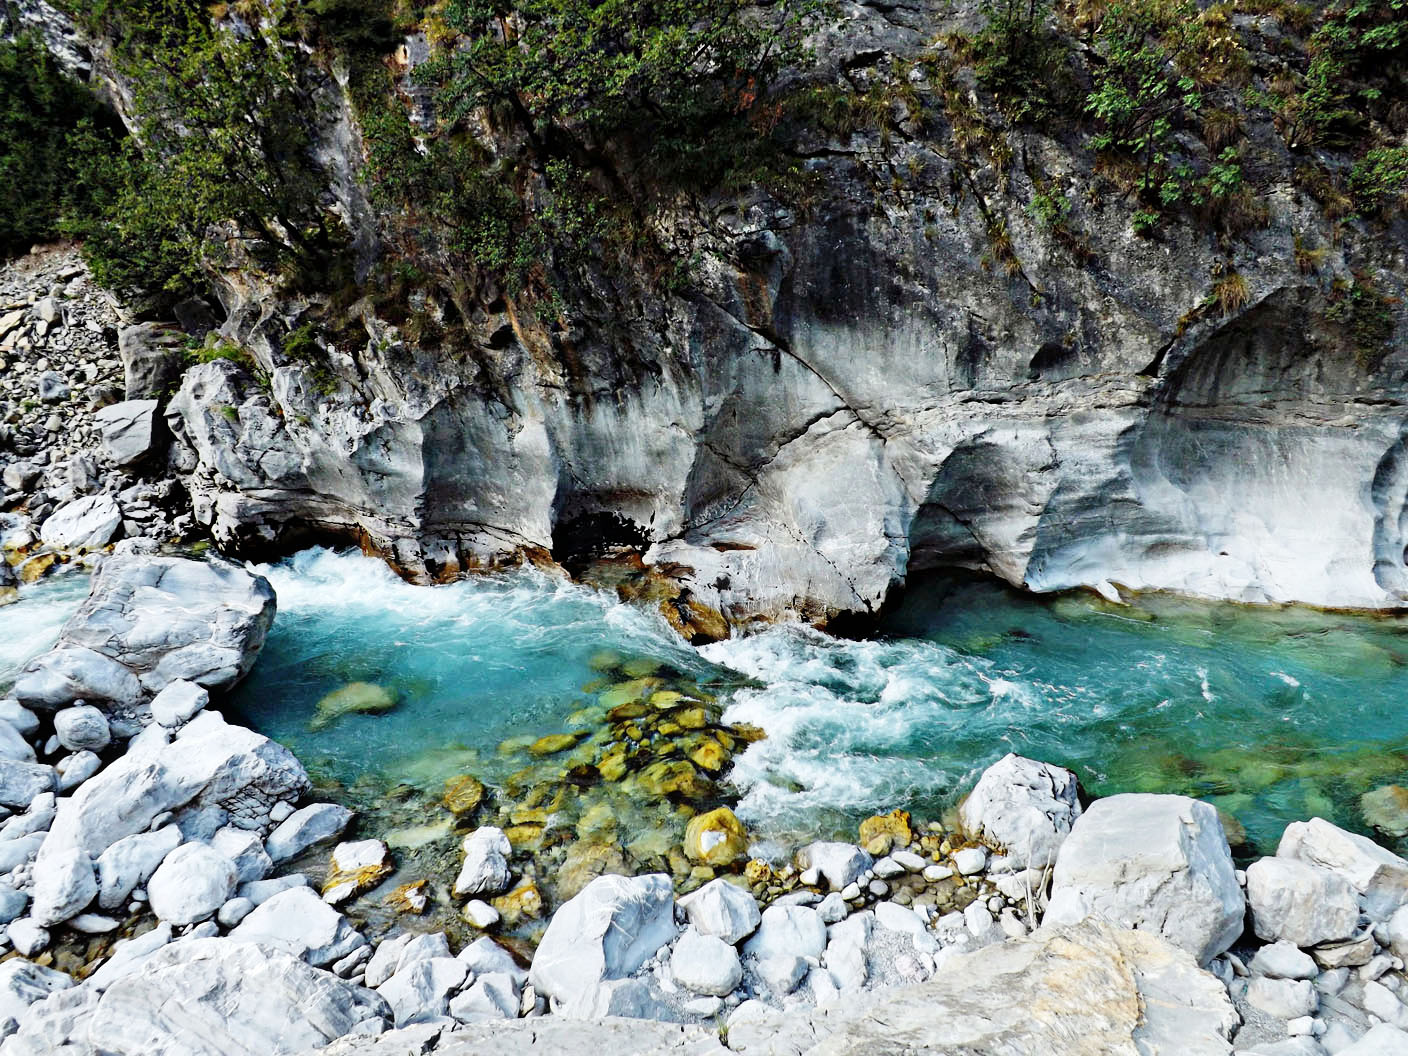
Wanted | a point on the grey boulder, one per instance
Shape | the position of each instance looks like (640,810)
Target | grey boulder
(605,932)
(704,964)
(152,359)
(131,861)
(306,827)
(192,882)
(88,523)
(64,883)
(723,910)
(23,982)
(1157,863)
(839,863)
(82,728)
(788,931)
(485,869)
(131,430)
(1304,904)
(1379,875)
(213,997)
(22,782)
(1025,807)
(302,924)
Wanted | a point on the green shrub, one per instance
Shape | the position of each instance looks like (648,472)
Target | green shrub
(1378,183)
(1020,60)
(46,120)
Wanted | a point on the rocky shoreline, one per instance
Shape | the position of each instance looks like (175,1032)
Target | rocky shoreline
(150,906)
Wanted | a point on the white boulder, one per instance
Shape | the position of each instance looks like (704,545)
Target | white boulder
(1304,904)
(788,931)
(421,990)
(839,863)
(606,932)
(723,910)
(1025,807)
(64,884)
(131,861)
(179,702)
(82,727)
(1378,874)
(306,827)
(1157,863)
(704,964)
(83,524)
(485,870)
(301,923)
(192,882)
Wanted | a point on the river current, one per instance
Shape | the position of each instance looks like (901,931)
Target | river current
(1273,714)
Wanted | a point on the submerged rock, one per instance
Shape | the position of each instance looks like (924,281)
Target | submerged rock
(716,838)
(1386,809)
(356,698)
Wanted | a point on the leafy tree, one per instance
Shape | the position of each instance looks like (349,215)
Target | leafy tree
(41,113)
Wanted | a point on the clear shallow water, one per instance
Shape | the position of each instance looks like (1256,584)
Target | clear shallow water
(1274,715)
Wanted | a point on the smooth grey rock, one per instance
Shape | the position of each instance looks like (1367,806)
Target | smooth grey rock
(300,922)
(260,891)
(178,703)
(18,716)
(1282,998)
(305,828)
(130,862)
(213,997)
(234,911)
(723,910)
(64,884)
(131,430)
(246,850)
(1154,862)
(191,883)
(82,728)
(833,908)
(13,745)
(77,768)
(1381,1040)
(149,621)
(788,931)
(969,861)
(704,964)
(1304,904)
(1378,874)
(1282,960)
(485,870)
(386,958)
(152,358)
(88,523)
(37,818)
(421,990)
(1378,1000)
(485,956)
(22,983)
(1024,806)
(840,863)
(781,973)
(494,995)
(212,769)
(19,850)
(28,936)
(12,903)
(605,932)
(22,782)
(53,387)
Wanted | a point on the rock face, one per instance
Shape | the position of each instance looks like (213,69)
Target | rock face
(606,932)
(213,997)
(1025,807)
(212,619)
(1151,862)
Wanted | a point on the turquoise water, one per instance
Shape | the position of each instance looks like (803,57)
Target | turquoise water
(1273,714)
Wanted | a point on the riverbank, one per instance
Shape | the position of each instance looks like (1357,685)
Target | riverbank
(154,852)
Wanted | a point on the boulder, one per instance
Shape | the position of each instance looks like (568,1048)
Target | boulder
(421,990)
(131,430)
(723,910)
(606,932)
(356,867)
(839,863)
(213,997)
(192,882)
(1379,875)
(178,703)
(82,728)
(64,884)
(704,964)
(1158,863)
(12,742)
(301,923)
(1090,989)
(1025,807)
(246,850)
(23,982)
(485,870)
(493,996)
(152,359)
(158,619)
(306,827)
(131,861)
(88,523)
(788,931)
(1283,960)
(212,771)
(716,838)
(1304,904)
(22,782)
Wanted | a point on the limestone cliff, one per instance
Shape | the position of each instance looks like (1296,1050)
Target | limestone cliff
(907,369)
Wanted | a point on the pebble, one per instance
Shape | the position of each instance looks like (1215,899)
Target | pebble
(878,888)
(970,860)
(934,873)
